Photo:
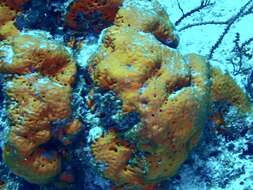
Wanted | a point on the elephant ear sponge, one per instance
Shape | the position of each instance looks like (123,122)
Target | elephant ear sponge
(39,92)
(37,54)
(150,17)
(171,93)
(225,89)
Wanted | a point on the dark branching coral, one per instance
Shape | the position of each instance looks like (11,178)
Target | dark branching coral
(203,4)
(245,10)
(250,84)
(241,53)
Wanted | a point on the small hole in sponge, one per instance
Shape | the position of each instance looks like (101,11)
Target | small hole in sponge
(113,149)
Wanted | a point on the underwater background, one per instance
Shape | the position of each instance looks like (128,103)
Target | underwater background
(106,94)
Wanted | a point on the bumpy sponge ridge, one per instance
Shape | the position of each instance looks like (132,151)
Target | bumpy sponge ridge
(172,93)
(39,92)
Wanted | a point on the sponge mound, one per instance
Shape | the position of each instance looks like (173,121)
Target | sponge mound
(39,92)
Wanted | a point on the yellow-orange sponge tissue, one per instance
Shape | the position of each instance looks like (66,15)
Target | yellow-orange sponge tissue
(7,17)
(157,82)
(171,92)
(6,14)
(147,16)
(144,104)
(39,92)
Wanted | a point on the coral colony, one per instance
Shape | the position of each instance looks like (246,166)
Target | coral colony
(96,95)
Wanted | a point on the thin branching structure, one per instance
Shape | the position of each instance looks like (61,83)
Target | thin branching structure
(249,86)
(203,4)
(240,53)
(245,10)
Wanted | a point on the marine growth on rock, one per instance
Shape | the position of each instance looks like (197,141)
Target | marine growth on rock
(39,92)
(171,92)
(128,116)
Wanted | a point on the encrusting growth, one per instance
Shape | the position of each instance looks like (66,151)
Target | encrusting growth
(171,92)
(39,92)
(137,59)
(92,15)
(149,17)
(7,18)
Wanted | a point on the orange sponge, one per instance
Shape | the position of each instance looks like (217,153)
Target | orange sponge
(7,17)
(148,16)
(171,92)
(39,95)
(86,8)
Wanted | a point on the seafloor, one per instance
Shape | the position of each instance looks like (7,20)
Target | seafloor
(224,157)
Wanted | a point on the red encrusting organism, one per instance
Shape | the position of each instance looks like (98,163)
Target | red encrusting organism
(95,11)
